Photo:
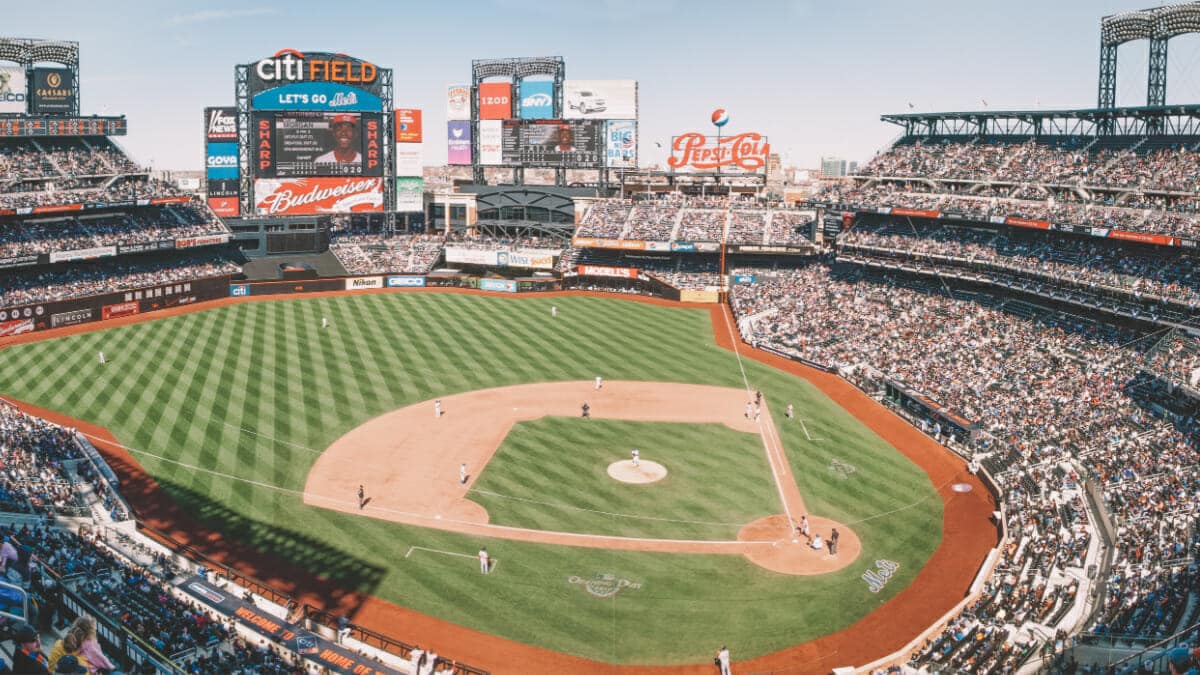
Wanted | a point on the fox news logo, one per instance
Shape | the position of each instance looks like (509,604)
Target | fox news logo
(221,125)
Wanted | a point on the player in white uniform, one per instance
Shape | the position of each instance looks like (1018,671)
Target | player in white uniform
(462,473)
(437,408)
(484,566)
(599,381)
(324,322)
(102,361)
(553,311)
(636,458)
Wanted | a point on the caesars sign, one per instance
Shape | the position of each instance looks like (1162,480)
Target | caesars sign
(742,153)
(53,90)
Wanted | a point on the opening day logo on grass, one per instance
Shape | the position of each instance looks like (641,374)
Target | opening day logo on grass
(604,585)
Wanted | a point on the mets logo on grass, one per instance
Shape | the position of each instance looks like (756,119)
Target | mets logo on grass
(603,585)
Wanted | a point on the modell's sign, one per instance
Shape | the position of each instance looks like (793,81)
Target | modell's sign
(741,153)
(301,196)
(221,124)
(288,66)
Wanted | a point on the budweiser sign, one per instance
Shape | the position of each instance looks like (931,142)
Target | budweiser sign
(299,196)
(697,152)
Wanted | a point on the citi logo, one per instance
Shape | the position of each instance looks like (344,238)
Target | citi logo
(538,100)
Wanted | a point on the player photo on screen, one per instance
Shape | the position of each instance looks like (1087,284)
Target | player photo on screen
(325,144)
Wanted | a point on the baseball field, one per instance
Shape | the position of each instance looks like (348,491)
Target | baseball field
(231,409)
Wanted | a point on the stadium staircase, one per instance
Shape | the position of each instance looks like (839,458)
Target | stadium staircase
(675,227)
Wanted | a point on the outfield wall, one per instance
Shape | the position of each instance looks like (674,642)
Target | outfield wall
(60,313)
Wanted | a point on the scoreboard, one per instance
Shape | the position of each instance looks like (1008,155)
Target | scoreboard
(21,127)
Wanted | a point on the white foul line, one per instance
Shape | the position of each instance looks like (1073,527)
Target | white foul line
(804,427)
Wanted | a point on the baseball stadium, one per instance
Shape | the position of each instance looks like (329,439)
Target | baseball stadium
(553,408)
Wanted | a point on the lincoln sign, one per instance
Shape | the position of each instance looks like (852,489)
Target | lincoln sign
(743,153)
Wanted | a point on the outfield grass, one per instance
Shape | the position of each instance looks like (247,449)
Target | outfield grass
(253,392)
(552,474)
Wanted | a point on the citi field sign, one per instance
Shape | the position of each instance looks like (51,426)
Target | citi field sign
(291,67)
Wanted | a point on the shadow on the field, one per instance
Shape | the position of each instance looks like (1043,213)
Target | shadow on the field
(287,560)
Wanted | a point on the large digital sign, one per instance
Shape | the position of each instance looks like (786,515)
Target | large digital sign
(600,99)
(537,99)
(310,196)
(317,96)
(495,101)
(54,91)
(12,90)
(301,143)
(62,126)
(553,143)
(290,66)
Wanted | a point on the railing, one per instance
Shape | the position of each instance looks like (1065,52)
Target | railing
(381,641)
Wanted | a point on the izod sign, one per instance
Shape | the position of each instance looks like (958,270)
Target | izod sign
(745,152)
(289,65)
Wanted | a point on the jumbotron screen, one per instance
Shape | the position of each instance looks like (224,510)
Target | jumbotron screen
(294,144)
(558,143)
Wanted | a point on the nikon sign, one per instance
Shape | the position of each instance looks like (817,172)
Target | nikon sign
(53,91)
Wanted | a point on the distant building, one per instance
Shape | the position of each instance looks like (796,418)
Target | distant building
(834,167)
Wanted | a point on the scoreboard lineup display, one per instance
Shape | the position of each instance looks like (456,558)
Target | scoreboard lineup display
(553,143)
(325,144)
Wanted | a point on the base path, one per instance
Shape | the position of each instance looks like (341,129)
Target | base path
(409,462)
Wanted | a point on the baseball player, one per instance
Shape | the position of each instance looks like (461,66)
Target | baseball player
(553,311)
(587,409)
(599,381)
(437,408)
(791,411)
(757,412)
(483,561)
(749,407)
(462,473)
(362,493)
(804,527)
(723,660)
(636,458)
(102,361)
(324,322)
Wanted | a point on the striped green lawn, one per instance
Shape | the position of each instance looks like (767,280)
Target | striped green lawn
(552,474)
(252,392)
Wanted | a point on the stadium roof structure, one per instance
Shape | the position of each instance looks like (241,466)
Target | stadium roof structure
(1165,120)
(1147,24)
(28,52)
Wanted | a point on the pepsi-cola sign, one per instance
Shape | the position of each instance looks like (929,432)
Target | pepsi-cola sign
(746,152)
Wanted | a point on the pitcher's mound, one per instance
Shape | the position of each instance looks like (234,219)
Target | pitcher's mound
(626,472)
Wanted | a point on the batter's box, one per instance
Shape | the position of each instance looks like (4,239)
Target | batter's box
(841,469)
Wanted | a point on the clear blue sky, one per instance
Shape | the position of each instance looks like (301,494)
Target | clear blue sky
(814,76)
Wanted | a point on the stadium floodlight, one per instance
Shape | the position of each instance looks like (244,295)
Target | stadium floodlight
(1126,27)
(1175,20)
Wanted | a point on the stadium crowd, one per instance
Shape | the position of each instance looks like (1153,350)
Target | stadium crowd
(1055,397)
(679,218)
(122,274)
(135,227)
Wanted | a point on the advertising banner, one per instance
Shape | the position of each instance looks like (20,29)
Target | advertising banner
(621,144)
(537,99)
(239,290)
(18,261)
(458,102)
(71,318)
(409,195)
(220,124)
(119,309)
(1144,237)
(405,282)
(12,90)
(53,91)
(914,213)
(291,66)
(221,188)
(318,96)
(292,144)
(359,283)
(458,142)
(222,161)
(83,253)
(308,196)
(16,327)
(499,285)
(1016,222)
(142,247)
(541,261)
(740,153)
(410,159)
(495,101)
(408,125)
(490,143)
(225,207)
(192,242)
(472,256)
(606,271)
(600,99)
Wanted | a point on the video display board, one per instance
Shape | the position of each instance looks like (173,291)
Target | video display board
(553,143)
(54,91)
(301,143)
